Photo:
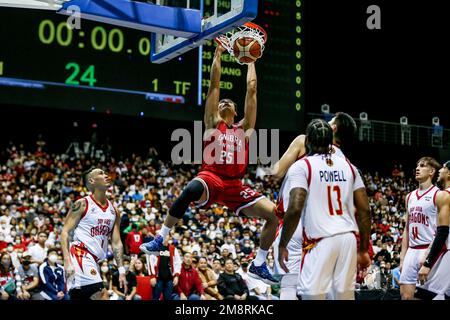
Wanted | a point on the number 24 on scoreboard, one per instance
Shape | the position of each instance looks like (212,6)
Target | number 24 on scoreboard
(88,76)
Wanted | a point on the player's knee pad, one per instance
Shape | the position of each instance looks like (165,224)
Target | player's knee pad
(192,192)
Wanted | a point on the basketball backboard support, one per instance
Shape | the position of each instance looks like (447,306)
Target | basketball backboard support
(165,47)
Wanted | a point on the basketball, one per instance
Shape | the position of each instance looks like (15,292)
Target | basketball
(246,50)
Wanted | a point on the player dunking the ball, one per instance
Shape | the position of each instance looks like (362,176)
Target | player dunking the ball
(224,164)
(95,220)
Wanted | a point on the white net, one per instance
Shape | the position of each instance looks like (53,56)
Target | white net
(248,30)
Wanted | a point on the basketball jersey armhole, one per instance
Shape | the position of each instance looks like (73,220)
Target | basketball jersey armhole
(351,168)
(308,164)
(85,209)
(434,197)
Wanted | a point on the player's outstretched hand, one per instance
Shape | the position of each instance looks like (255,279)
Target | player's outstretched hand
(423,274)
(283,255)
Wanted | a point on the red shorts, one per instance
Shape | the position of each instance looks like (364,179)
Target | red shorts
(231,193)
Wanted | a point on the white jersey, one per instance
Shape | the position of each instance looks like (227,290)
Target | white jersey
(422,216)
(95,227)
(330,183)
(448,238)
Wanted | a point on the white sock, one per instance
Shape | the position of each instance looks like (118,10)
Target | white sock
(164,232)
(260,257)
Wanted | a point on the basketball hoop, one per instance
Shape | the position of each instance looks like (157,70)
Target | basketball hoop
(248,30)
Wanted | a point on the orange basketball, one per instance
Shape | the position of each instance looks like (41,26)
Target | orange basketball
(246,50)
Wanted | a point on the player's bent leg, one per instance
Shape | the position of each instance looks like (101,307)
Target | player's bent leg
(263,209)
(196,190)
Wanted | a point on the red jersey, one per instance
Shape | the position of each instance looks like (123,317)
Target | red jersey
(232,161)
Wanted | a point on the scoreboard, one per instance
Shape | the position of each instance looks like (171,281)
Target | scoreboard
(105,68)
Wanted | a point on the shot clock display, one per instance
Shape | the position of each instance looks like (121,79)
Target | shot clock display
(105,68)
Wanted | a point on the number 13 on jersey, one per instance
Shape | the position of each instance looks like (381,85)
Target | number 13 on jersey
(334,200)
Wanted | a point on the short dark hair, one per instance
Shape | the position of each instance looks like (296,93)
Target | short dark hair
(319,136)
(51,250)
(42,232)
(345,129)
(85,176)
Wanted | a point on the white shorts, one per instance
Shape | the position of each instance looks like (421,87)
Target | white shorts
(87,270)
(439,277)
(330,265)
(294,248)
(411,266)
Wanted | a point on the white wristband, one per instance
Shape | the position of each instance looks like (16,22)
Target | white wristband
(121,270)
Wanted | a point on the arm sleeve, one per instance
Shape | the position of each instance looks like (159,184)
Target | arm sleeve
(437,246)
(244,288)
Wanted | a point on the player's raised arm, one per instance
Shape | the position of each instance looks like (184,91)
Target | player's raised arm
(249,120)
(296,149)
(443,223)
(71,221)
(212,99)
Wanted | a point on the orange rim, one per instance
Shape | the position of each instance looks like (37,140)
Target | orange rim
(255,26)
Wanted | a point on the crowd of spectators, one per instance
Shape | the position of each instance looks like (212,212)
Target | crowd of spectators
(207,254)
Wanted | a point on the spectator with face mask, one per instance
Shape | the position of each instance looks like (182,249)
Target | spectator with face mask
(28,274)
(53,285)
(131,283)
(106,275)
(7,278)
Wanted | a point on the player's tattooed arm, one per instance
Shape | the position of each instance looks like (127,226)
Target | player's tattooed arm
(212,98)
(297,198)
(116,243)
(364,218)
(72,219)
